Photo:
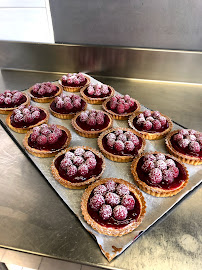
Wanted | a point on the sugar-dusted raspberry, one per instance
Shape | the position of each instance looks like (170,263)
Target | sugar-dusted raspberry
(91,121)
(163,120)
(28,118)
(66,162)
(41,140)
(120,212)
(177,137)
(150,118)
(96,202)
(122,190)
(155,175)
(147,125)
(76,81)
(104,89)
(42,91)
(149,157)
(129,146)
(183,143)
(36,87)
(77,103)
(194,146)
(36,115)
(131,102)
(26,111)
(8,100)
(59,104)
(57,131)
(53,87)
(18,118)
(118,132)
(110,185)
(111,136)
(140,121)
(105,211)
(68,105)
(161,165)
(191,137)
(91,163)
(70,155)
(83,117)
(98,92)
(45,131)
(71,170)
(36,130)
(168,176)
(1,99)
(120,108)
(83,169)
(33,137)
(128,134)
(160,156)
(122,137)
(69,80)
(147,165)
(101,189)
(156,124)
(112,199)
(111,142)
(192,131)
(78,160)
(88,154)
(112,104)
(52,138)
(156,114)
(119,145)
(184,132)
(175,171)
(15,100)
(121,101)
(170,162)
(147,113)
(134,139)
(126,97)
(126,106)
(65,98)
(100,119)
(128,201)
(90,90)
(79,151)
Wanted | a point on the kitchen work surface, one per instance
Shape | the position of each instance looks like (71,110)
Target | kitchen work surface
(186,241)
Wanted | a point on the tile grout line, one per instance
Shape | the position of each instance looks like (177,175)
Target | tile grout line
(40,263)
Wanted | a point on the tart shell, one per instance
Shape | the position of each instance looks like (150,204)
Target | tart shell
(96,100)
(112,231)
(80,185)
(74,88)
(25,129)
(9,110)
(89,133)
(151,136)
(155,191)
(184,158)
(46,153)
(46,99)
(119,116)
(118,158)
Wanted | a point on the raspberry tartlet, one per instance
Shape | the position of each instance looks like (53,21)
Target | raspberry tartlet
(113,206)
(77,167)
(97,93)
(45,92)
(91,123)
(10,100)
(73,82)
(120,107)
(158,174)
(65,107)
(185,144)
(24,118)
(47,140)
(151,124)
(121,144)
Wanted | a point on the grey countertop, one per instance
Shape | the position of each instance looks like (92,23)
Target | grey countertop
(34,219)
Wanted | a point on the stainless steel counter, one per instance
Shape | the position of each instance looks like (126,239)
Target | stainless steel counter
(34,219)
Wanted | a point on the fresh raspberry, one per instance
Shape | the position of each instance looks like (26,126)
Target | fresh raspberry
(161,165)
(134,139)
(81,77)
(149,157)
(119,96)
(18,118)
(69,155)
(54,88)
(156,114)
(128,134)
(45,131)
(37,130)
(52,138)
(90,90)
(155,176)
(49,89)
(150,118)
(126,106)
(175,171)
(59,104)
(160,156)
(140,121)
(147,165)
(33,137)
(76,81)
(131,102)
(100,113)
(168,176)
(104,89)
(156,124)
(8,100)
(68,105)
(36,87)
(91,121)
(114,99)
(128,201)
(36,115)
(192,131)
(184,132)
(66,162)
(140,115)
(18,95)
(1,99)
(83,117)
(15,100)
(91,163)
(163,120)
(100,120)
(83,169)
(170,162)
(33,109)
(177,137)
(7,92)
(71,170)
(105,211)
(118,132)
(66,98)
(147,113)
(119,145)
(110,142)
(41,140)
(110,185)
(28,118)
(101,189)
(129,146)
(69,80)
(88,154)
(57,131)
(191,137)
(92,113)
(147,125)
(112,104)
(111,136)
(97,92)
(77,104)
(120,108)
(42,91)
(126,97)
(120,212)
(78,160)
(96,202)
(112,199)
(122,190)
(194,147)
(79,151)
(122,138)
(16,111)
(183,143)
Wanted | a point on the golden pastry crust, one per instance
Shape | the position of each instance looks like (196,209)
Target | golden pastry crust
(96,100)
(151,136)
(80,185)
(184,158)
(66,115)
(112,231)
(155,191)
(120,116)
(25,129)
(119,158)
(9,110)
(46,99)
(90,133)
(74,88)
(46,153)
